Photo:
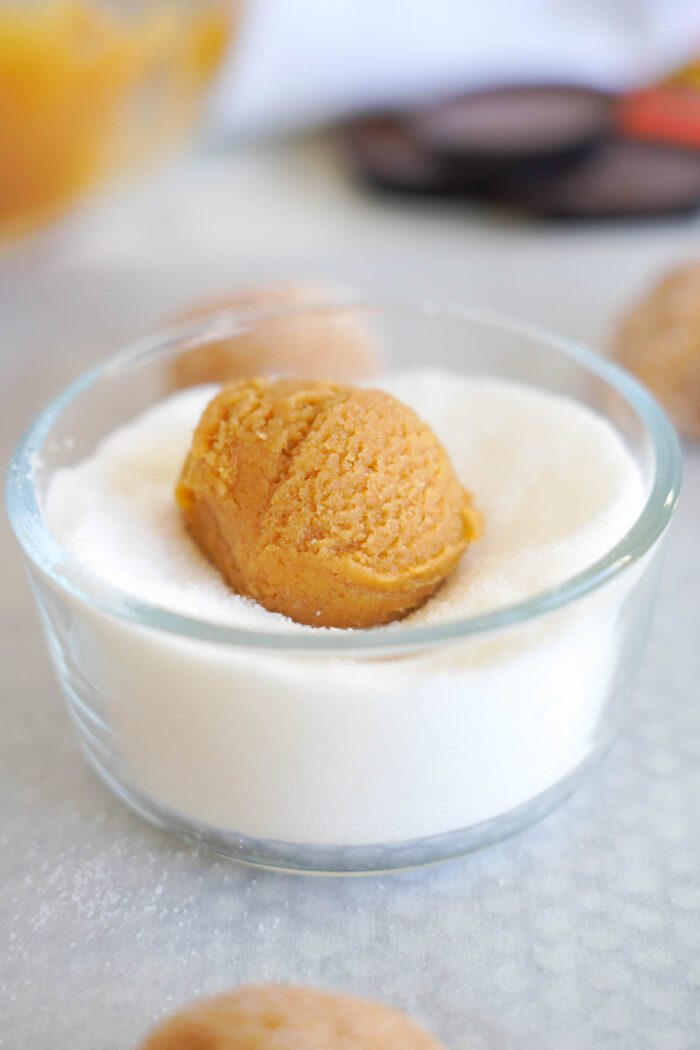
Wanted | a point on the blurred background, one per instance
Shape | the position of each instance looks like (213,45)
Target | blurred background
(541,157)
(537,156)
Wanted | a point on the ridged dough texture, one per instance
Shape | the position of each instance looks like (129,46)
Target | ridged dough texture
(336,506)
(332,342)
(659,340)
(283,1017)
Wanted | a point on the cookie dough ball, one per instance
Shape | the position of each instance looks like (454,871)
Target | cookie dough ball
(659,340)
(281,1017)
(334,505)
(334,344)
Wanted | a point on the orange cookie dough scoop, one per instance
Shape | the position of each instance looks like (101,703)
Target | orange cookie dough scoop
(336,506)
(283,1017)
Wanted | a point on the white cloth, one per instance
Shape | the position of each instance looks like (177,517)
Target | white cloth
(300,62)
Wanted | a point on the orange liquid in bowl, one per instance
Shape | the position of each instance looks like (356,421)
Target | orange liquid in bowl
(87,88)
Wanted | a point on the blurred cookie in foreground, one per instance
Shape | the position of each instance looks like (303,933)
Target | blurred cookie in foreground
(283,1017)
(324,344)
(659,340)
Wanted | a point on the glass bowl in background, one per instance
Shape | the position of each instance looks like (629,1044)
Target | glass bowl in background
(361,750)
(91,87)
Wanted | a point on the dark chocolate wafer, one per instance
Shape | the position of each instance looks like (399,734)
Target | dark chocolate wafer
(620,178)
(513,126)
(383,152)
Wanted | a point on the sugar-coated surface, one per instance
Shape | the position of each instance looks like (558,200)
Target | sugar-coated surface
(553,480)
(349,751)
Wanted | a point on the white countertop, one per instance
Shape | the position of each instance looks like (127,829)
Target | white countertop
(583,931)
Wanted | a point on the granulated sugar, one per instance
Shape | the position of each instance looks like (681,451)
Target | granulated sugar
(354,750)
(553,480)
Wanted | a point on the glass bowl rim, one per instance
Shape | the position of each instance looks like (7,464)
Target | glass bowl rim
(46,552)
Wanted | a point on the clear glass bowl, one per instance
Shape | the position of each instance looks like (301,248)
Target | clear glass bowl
(363,750)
